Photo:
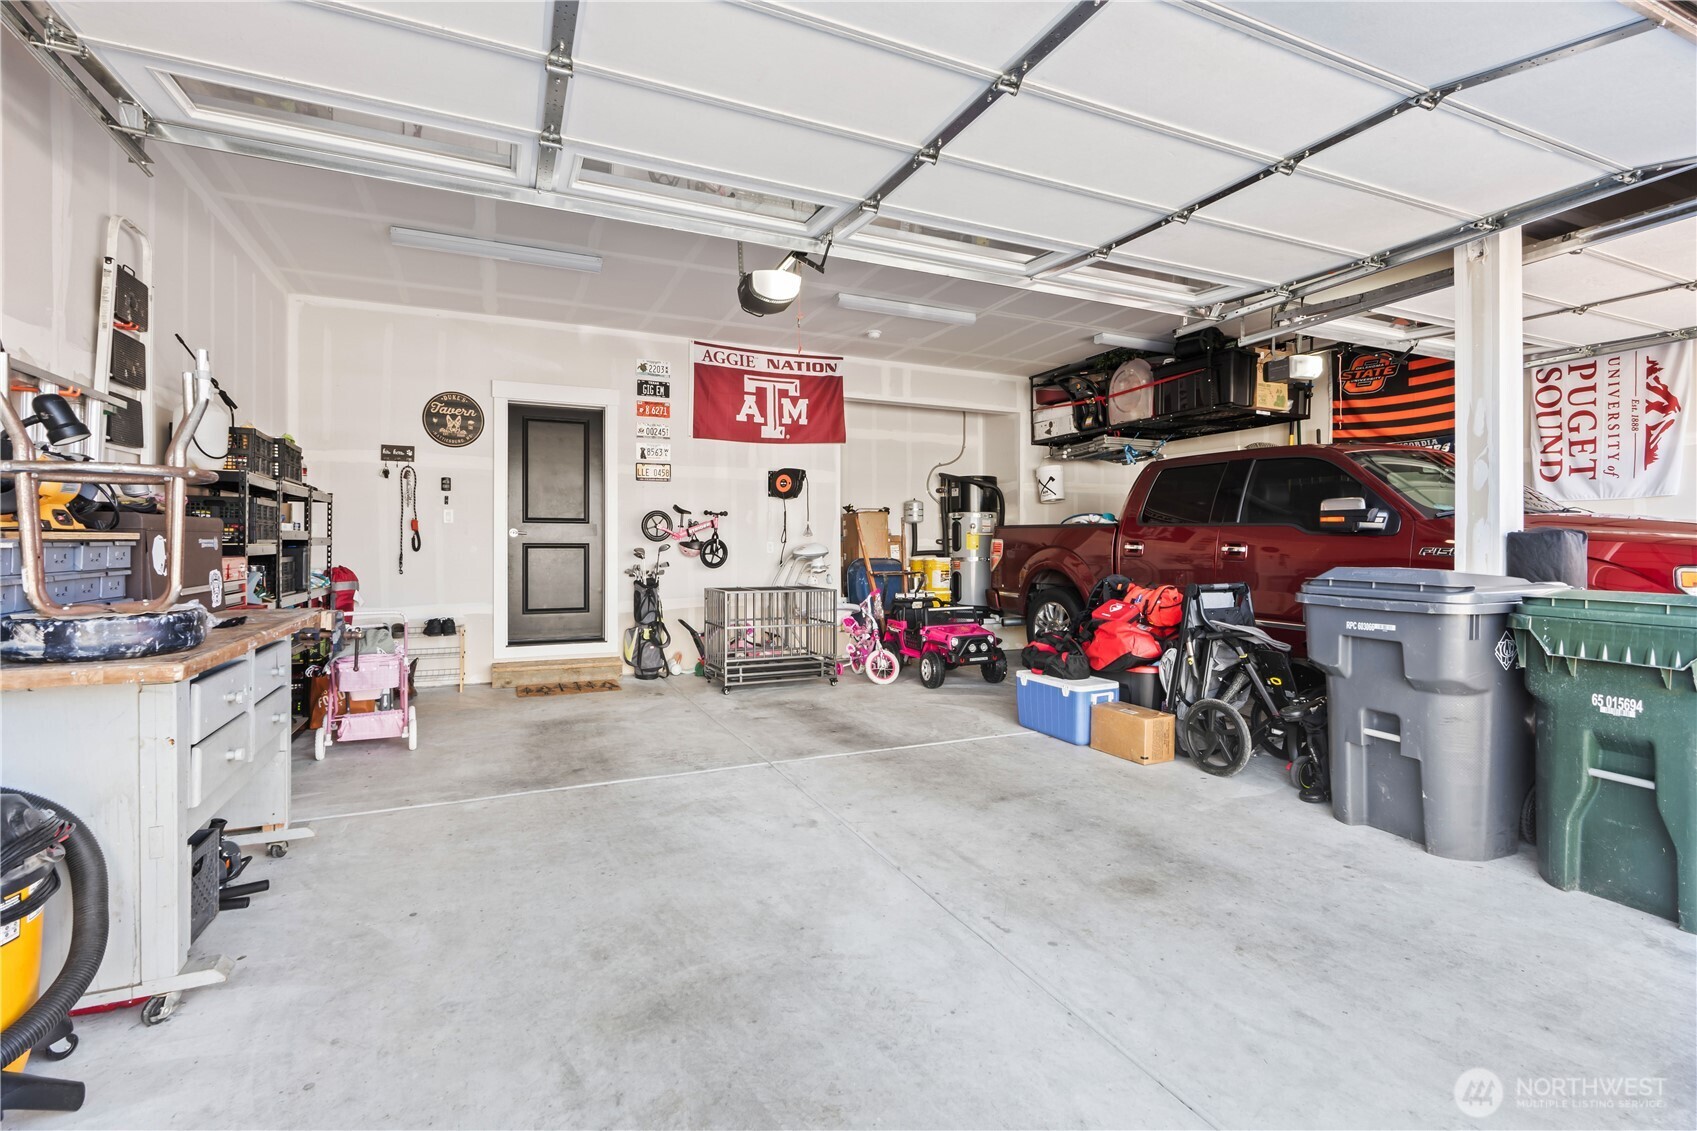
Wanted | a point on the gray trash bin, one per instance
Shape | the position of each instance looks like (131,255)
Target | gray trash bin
(1430,735)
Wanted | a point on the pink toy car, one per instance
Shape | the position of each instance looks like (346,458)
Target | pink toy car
(942,637)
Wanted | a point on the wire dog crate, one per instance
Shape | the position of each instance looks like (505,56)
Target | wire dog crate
(770,634)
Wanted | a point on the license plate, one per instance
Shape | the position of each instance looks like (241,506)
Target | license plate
(654,453)
(658,410)
(653,369)
(648,431)
(661,389)
(654,472)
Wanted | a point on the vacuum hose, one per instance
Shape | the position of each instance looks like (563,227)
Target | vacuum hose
(90,922)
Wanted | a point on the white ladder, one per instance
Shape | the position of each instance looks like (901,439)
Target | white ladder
(107,327)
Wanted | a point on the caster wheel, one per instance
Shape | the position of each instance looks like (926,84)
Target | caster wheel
(724,691)
(159,1008)
(277,851)
(833,681)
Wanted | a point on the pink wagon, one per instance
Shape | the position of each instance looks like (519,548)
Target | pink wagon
(379,673)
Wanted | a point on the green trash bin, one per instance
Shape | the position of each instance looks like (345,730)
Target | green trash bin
(1614,678)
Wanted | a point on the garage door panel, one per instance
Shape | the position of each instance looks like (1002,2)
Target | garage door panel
(951,191)
(1309,208)
(1237,254)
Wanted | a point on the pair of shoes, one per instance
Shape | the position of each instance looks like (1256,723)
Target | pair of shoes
(433,626)
(448,627)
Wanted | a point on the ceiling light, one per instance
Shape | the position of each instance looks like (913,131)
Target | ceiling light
(494,249)
(1125,341)
(867,304)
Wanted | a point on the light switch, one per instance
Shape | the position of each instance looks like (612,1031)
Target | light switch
(447,517)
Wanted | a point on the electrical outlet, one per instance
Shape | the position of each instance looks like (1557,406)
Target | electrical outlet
(447,517)
(771,547)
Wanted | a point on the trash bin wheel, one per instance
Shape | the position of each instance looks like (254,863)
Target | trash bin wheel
(1529,817)
(1216,737)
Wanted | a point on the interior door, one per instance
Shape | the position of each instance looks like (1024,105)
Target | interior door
(555,564)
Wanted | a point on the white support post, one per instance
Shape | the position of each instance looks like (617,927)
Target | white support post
(1490,403)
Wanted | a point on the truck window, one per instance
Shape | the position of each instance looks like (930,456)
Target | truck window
(1183,496)
(1288,492)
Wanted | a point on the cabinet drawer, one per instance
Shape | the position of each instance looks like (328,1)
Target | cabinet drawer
(219,696)
(214,760)
(271,718)
(59,558)
(270,668)
(118,555)
(94,556)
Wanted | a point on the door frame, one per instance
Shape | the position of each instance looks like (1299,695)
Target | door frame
(505,394)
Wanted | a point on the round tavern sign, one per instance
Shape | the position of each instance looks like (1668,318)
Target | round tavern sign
(453,419)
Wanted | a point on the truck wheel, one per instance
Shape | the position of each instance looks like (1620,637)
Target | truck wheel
(1050,610)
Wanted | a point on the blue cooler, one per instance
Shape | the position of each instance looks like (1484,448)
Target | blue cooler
(1061,707)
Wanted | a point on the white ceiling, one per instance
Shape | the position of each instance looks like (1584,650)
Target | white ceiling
(1146,108)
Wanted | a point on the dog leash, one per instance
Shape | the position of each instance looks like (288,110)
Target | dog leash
(409,501)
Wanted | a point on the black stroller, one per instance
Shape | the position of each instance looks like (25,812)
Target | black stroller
(1235,690)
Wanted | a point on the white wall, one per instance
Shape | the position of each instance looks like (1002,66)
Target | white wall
(364,372)
(61,177)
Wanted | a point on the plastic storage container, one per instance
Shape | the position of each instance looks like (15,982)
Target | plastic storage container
(1060,708)
(1614,676)
(1429,736)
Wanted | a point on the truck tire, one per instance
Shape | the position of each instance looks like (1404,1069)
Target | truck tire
(1050,610)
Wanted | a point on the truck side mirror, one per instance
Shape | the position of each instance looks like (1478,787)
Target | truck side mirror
(1350,514)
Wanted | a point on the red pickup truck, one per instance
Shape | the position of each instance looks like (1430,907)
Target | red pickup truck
(1275,517)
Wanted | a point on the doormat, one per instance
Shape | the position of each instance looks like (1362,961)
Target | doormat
(571,687)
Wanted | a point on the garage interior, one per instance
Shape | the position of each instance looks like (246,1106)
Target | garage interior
(477,284)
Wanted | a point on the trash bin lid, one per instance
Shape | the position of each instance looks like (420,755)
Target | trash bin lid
(1646,630)
(1438,591)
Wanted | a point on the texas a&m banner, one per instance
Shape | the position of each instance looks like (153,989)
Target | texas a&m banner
(1612,426)
(1393,398)
(760,397)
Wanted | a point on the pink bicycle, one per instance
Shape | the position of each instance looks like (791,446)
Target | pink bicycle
(866,651)
(657,526)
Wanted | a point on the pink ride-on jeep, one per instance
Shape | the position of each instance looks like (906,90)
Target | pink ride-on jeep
(941,637)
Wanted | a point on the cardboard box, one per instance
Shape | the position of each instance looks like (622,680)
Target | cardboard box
(1134,733)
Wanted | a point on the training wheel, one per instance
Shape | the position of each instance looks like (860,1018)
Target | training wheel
(412,728)
(320,743)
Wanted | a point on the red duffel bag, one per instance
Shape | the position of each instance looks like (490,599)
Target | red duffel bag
(1119,645)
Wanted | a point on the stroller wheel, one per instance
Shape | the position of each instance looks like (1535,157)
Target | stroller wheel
(1216,737)
(1305,776)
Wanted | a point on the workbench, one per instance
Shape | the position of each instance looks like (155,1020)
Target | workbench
(145,752)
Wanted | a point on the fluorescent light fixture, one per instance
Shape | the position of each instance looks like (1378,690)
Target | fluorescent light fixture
(494,249)
(1125,341)
(867,304)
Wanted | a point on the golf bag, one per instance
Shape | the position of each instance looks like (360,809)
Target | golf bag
(646,640)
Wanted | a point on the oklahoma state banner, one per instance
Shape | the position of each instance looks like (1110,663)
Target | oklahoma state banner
(1389,398)
(759,397)
(1611,426)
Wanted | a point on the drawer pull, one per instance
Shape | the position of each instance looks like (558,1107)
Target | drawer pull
(236,755)
(279,717)
(237,696)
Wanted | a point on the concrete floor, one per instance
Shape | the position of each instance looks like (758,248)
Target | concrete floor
(862,906)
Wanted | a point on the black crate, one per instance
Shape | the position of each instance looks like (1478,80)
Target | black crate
(129,360)
(227,509)
(288,461)
(251,450)
(123,424)
(261,520)
(291,572)
(205,877)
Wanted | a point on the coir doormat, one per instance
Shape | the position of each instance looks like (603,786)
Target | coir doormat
(571,687)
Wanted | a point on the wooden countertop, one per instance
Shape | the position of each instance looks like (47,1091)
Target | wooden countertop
(222,645)
(10,537)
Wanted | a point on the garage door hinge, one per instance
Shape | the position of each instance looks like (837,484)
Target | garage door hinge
(550,138)
(559,64)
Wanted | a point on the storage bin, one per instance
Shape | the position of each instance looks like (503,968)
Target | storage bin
(1050,423)
(1141,686)
(113,586)
(1218,383)
(1614,676)
(1060,708)
(205,877)
(1428,712)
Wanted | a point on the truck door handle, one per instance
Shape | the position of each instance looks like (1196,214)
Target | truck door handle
(1135,549)
(1235,550)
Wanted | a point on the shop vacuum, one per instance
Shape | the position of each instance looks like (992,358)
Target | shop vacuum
(37,835)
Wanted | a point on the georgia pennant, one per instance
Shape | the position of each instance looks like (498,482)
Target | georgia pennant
(760,397)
